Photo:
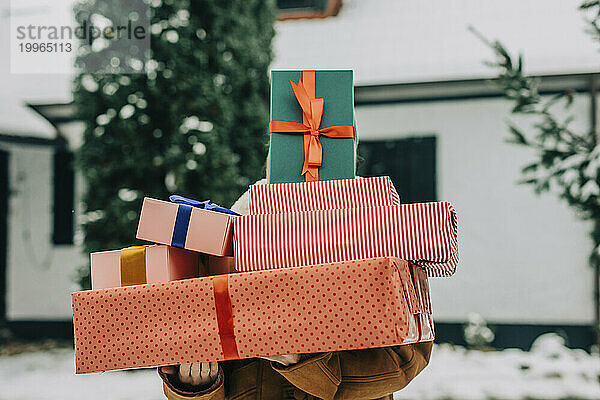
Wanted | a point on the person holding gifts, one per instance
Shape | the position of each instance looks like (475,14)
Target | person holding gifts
(329,141)
(351,321)
(355,374)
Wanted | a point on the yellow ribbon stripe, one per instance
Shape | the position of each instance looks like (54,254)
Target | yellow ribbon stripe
(133,265)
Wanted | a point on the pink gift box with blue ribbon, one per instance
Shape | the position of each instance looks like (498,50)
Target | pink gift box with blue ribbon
(199,226)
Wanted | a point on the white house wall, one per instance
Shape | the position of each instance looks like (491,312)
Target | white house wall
(40,276)
(393,41)
(523,257)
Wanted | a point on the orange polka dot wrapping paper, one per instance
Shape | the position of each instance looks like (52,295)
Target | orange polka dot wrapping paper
(337,306)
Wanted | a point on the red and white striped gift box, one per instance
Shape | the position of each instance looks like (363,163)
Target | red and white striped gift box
(319,195)
(425,233)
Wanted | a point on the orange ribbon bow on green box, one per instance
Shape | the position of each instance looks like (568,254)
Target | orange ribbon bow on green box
(312,114)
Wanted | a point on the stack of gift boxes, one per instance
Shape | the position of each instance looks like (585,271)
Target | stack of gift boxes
(323,261)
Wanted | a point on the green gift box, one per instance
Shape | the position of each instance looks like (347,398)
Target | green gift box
(312,126)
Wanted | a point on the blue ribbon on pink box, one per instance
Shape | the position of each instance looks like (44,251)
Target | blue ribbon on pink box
(184,211)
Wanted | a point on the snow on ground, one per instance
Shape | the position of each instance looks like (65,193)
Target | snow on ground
(549,371)
(50,375)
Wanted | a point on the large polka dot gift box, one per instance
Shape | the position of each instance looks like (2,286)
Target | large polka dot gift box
(338,306)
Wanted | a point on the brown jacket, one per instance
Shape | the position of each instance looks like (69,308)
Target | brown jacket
(354,374)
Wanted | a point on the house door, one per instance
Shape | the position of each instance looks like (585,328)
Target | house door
(4,188)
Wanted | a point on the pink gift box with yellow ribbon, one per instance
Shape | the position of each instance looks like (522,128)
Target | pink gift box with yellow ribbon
(142,264)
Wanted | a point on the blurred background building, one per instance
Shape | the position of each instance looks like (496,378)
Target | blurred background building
(426,115)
